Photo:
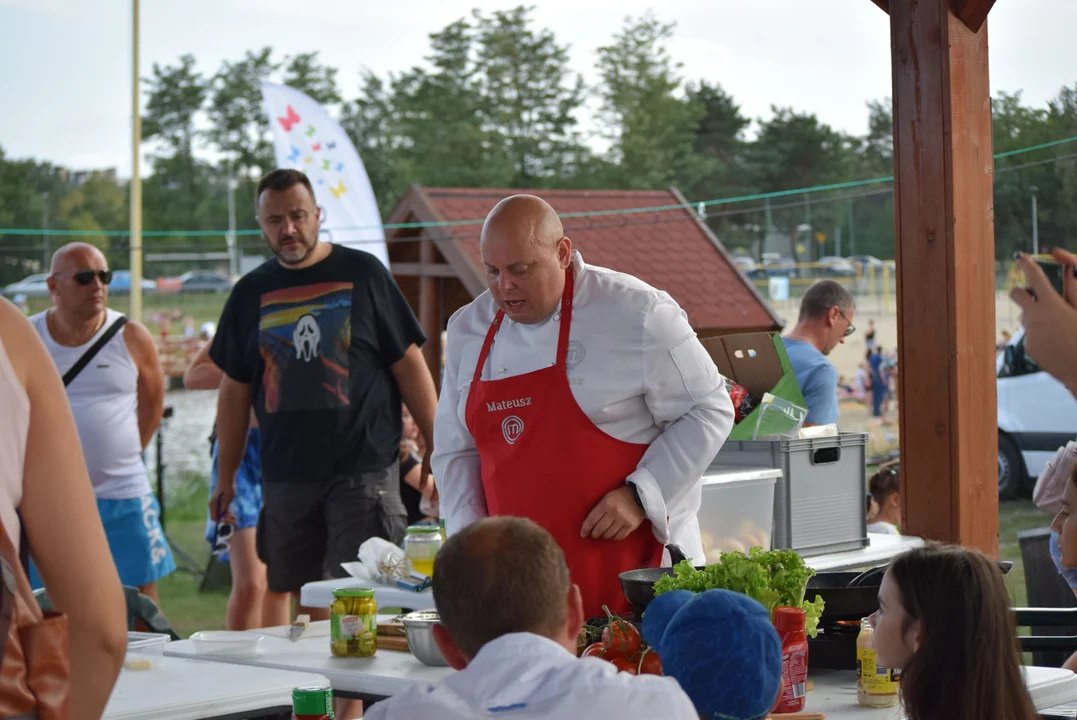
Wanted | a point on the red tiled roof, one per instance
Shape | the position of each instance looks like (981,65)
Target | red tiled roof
(666,249)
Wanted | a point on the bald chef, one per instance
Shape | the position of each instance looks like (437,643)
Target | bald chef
(580,398)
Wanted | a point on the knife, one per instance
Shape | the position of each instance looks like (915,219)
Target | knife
(297,628)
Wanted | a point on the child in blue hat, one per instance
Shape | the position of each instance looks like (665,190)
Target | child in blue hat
(721,647)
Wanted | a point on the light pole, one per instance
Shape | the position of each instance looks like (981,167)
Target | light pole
(136,179)
(233,254)
(1035,223)
(45,227)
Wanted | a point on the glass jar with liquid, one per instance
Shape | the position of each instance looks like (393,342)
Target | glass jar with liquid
(876,687)
(421,545)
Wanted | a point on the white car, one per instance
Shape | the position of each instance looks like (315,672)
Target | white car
(1036,416)
(32,286)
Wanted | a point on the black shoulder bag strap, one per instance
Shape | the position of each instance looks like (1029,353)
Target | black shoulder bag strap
(87,356)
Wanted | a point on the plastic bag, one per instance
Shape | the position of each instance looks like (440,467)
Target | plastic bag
(778,418)
(386,562)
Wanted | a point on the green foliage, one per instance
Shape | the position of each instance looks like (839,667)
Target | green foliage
(497,104)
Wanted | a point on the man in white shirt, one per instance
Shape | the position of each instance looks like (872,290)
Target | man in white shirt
(116,388)
(510,616)
(594,413)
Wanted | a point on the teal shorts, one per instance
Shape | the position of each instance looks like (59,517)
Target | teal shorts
(135,538)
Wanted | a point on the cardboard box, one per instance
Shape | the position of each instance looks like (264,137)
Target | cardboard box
(758,362)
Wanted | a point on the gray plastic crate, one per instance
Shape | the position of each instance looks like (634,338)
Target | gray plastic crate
(819,500)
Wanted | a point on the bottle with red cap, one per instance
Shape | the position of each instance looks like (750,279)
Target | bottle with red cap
(789,622)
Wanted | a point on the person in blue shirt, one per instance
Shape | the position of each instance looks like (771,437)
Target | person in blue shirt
(826,319)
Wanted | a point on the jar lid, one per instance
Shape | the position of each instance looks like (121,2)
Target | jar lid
(312,700)
(423,530)
(788,619)
(353,592)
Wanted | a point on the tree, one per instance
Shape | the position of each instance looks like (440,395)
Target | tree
(176,95)
(371,124)
(319,82)
(438,118)
(238,124)
(530,96)
(652,129)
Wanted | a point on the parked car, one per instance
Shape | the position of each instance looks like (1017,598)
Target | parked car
(833,266)
(746,265)
(779,267)
(863,262)
(121,283)
(204,281)
(32,286)
(1036,416)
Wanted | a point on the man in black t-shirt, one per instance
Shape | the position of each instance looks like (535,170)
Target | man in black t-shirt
(323,344)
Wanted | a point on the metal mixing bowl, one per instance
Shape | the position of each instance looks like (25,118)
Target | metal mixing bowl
(419,628)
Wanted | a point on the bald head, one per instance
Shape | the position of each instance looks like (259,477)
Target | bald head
(523,219)
(77,256)
(525,254)
(78,277)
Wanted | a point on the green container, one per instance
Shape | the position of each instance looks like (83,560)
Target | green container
(313,700)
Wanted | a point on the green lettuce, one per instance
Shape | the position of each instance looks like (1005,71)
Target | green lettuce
(775,578)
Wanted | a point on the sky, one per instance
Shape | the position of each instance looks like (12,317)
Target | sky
(65,65)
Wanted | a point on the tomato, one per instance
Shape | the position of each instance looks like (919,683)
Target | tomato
(650,664)
(625,666)
(594,650)
(622,636)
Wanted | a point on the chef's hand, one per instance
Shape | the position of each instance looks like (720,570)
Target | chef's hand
(1050,319)
(426,480)
(614,517)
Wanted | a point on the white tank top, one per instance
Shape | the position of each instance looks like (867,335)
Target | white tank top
(104,400)
(14,428)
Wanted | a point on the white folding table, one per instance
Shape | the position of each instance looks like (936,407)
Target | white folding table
(320,594)
(184,689)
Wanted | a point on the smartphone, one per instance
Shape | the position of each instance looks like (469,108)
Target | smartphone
(1054,270)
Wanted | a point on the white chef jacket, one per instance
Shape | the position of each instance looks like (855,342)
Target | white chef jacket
(528,677)
(636,369)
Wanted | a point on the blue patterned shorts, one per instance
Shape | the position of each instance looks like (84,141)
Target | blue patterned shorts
(247,503)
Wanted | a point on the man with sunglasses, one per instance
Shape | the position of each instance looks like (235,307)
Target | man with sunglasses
(826,319)
(116,388)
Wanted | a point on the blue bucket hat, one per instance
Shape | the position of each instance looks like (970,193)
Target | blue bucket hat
(722,648)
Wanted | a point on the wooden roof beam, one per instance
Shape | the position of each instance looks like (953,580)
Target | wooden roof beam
(971,12)
(884,5)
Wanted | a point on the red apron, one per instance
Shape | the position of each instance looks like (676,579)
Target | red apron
(543,459)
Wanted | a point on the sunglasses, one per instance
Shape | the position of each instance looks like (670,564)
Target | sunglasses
(222,534)
(86,277)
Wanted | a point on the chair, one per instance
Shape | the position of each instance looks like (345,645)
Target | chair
(1055,625)
(139,608)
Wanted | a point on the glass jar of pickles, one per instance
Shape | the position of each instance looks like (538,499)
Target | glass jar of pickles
(421,545)
(353,623)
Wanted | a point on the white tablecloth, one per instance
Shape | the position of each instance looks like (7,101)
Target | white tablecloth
(181,689)
(387,673)
(391,672)
(320,594)
(835,693)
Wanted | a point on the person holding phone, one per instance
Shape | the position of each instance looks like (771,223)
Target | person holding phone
(1050,317)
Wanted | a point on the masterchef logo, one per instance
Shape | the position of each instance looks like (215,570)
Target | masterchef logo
(507,404)
(512,427)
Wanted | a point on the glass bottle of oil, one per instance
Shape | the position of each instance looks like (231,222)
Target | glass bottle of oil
(876,687)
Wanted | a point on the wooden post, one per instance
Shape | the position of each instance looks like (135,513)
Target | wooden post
(945,275)
(429,311)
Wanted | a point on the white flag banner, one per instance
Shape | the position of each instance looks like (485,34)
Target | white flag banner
(307,138)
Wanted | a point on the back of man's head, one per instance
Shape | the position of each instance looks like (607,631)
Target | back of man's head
(821,297)
(498,576)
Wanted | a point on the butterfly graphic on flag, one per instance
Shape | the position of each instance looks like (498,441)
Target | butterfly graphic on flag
(338,190)
(291,119)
